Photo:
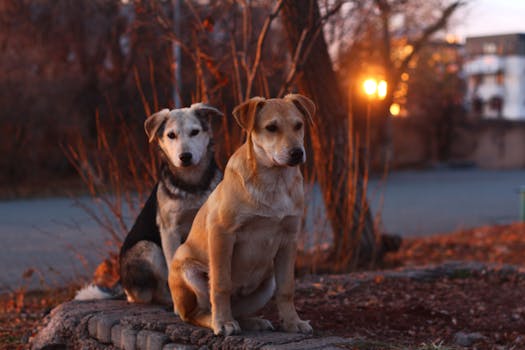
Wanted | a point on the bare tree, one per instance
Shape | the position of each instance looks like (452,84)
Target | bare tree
(341,163)
(338,171)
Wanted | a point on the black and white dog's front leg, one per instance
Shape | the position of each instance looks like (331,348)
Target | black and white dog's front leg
(170,235)
(171,239)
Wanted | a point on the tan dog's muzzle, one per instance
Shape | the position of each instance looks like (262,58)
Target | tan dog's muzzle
(296,156)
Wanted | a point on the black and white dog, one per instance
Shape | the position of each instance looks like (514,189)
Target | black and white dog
(188,174)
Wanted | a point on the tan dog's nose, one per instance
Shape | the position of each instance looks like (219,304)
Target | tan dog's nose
(296,156)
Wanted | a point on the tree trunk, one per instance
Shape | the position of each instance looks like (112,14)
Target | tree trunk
(344,196)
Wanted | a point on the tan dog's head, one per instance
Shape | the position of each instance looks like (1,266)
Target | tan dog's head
(183,134)
(275,128)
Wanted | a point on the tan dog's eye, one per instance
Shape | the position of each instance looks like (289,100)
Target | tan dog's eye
(172,135)
(194,132)
(271,128)
(298,126)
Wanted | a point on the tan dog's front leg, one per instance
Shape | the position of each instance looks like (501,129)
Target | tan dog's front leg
(221,250)
(284,295)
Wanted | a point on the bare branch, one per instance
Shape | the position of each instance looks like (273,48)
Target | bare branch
(331,12)
(425,36)
(236,73)
(260,44)
(201,81)
(145,103)
(295,62)
(303,48)
(385,13)
(195,15)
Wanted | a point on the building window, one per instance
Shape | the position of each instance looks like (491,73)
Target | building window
(500,77)
(496,104)
(477,105)
(477,79)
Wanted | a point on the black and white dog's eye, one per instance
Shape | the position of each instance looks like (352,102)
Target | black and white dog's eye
(194,132)
(271,128)
(298,126)
(172,135)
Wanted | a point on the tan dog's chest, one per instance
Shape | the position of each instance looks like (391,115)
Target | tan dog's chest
(256,246)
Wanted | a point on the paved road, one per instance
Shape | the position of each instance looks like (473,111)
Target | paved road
(54,236)
(420,203)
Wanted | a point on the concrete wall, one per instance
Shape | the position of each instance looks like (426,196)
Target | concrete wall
(499,145)
(489,144)
(409,146)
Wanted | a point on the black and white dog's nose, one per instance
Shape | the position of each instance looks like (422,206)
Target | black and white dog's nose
(185,158)
(296,156)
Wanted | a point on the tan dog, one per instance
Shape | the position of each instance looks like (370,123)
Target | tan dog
(242,245)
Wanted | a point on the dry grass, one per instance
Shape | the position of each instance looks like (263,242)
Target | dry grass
(503,244)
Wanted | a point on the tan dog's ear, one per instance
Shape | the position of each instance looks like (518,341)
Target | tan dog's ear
(246,112)
(154,122)
(205,113)
(304,105)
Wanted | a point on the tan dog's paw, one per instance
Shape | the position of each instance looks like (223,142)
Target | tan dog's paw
(226,327)
(255,324)
(297,326)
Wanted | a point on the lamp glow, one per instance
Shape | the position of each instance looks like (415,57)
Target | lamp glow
(381,89)
(395,109)
(370,87)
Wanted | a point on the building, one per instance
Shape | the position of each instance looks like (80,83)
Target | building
(495,73)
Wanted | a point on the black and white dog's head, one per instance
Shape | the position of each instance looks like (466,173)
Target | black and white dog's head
(183,134)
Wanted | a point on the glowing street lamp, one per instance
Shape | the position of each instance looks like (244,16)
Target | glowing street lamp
(370,87)
(381,89)
(375,88)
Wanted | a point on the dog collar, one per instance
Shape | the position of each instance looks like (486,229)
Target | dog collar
(176,187)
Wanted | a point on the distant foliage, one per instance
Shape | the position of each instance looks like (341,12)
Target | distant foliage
(62,61)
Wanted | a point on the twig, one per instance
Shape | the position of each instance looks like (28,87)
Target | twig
(303,47)
(236,74)
(145,103)
(260,44)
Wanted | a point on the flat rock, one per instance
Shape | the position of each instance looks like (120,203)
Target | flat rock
(467,339)
(116,324)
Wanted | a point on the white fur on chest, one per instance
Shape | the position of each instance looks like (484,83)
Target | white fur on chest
(175,207)
(176,215)
(279,198)
(171,210)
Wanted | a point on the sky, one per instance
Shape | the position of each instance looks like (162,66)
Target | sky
(484,17)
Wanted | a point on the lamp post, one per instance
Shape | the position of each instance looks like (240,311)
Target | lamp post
(374,89)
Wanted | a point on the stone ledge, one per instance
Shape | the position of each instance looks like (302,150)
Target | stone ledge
(116,324)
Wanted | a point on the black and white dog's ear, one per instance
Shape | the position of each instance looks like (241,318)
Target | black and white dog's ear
(153,124)
(246,113)
(205,113)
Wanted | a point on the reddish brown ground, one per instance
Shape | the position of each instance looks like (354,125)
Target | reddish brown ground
(405,312)
(384,311)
